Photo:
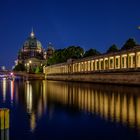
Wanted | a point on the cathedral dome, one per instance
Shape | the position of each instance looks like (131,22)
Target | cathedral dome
(32,42)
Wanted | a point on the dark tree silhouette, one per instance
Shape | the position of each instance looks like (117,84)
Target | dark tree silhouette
(112,48)
(130,43)
(91,52)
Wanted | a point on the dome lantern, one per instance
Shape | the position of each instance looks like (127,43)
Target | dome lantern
(32,42)
(32,35)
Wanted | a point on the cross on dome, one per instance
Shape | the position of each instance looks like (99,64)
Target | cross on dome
(32,34)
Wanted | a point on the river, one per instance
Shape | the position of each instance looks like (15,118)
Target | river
(51,110)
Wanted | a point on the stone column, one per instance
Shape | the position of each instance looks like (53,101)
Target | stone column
(113,63)
(127,59)
(138,59)
(95,64)
(90,62)
(131,65)
(115,58)
(125,65)
(135,59)
(108,62)
(104,63)
(88,65)
(120,61)
(91,65)
(80,66)
(76,67)
(83,66)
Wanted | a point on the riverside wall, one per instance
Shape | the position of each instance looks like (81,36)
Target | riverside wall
(28,76)
(123,78)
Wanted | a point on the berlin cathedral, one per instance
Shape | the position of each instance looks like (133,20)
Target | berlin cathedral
(32,55)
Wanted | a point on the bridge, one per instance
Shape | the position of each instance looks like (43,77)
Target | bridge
(6,74)
(20,75)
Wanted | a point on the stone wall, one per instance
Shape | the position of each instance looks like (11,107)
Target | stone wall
(129,78)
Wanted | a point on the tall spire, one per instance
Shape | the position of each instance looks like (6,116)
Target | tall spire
(32,33)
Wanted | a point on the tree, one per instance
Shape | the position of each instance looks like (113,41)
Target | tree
(37,70)
(62,55)
(130,43)
(19,67)
(91,52)
(73,52)
(112,48)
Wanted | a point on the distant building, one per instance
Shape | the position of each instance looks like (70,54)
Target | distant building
(50,50)
(32,54)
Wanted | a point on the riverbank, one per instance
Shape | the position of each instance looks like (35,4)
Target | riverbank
(23,75)
(122,78)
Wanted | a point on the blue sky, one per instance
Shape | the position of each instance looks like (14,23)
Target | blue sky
(88,23)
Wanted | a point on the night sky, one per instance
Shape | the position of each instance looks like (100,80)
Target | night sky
(87,23)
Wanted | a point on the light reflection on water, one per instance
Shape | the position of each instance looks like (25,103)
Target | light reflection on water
(12,91)
(118,104)
(114,103)
(4,89)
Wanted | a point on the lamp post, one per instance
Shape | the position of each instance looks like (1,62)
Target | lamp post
(28,67)
(30,63)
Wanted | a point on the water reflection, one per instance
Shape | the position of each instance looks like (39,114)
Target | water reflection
(12,90)
(29,97)
(4,89)
(119,104)
(113,103)
(35,101)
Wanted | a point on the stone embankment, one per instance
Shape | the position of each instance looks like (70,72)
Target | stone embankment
(125,78)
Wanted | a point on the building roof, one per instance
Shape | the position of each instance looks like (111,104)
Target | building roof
(32,42)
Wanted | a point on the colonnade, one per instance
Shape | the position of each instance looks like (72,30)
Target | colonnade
(127,60)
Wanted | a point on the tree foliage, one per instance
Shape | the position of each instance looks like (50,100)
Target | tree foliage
(62,55)
(112,48)
(76,52)
(19,67)
(37,70)
(91,52)
(130,43)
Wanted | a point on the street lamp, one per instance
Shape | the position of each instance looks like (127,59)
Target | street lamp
(30,62)
(27,67)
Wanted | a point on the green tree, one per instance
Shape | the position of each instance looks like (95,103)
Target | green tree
(73,52)
(91,52)
(112,48)
(19,67)
(62,55)
(130,43)
(37,70)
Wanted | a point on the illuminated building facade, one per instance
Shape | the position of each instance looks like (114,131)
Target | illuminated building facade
(122,67)
(32,54)
(122,60)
